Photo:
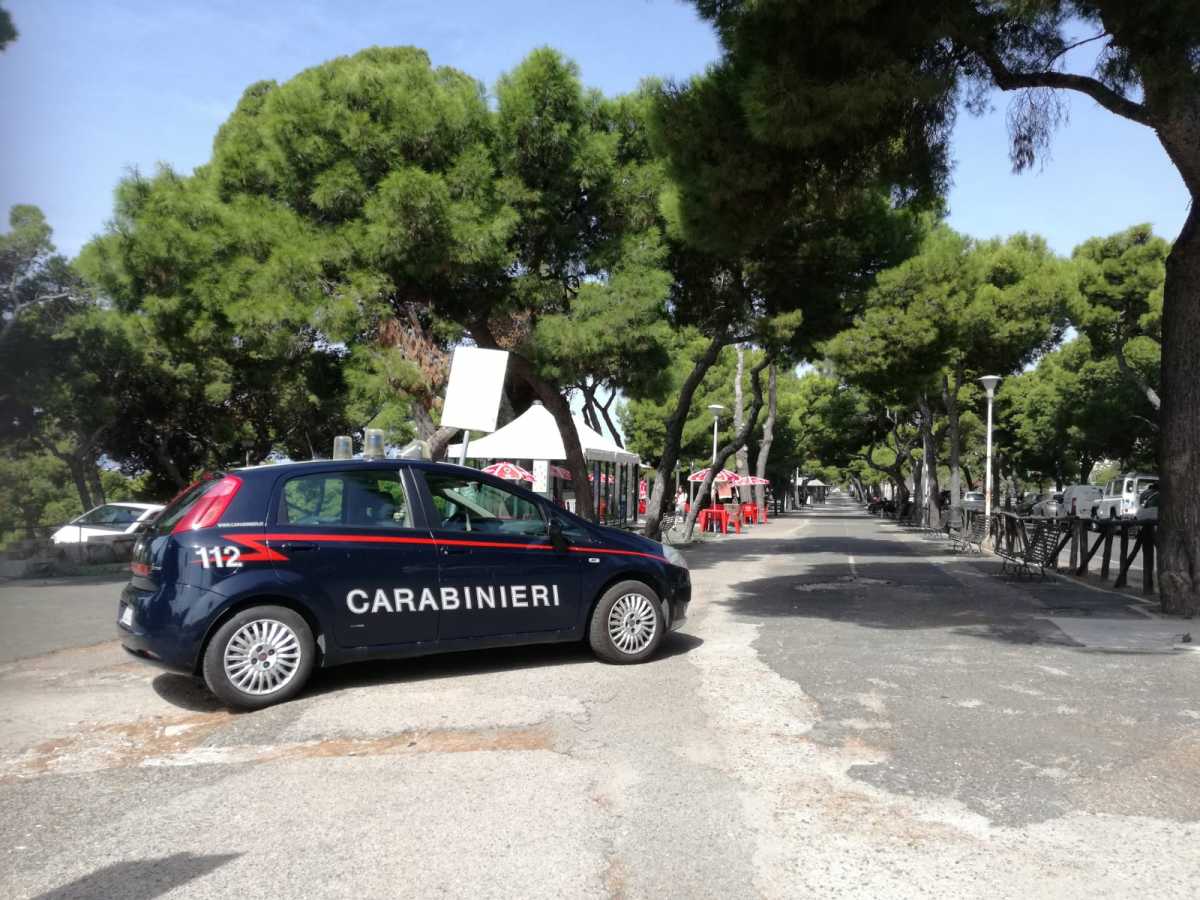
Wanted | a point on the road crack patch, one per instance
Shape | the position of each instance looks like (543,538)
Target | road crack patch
(181,742)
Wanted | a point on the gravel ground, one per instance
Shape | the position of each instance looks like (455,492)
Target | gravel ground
(849,712)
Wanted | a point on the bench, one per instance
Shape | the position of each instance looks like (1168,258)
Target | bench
(970,539)
(666,524)
(1040,550)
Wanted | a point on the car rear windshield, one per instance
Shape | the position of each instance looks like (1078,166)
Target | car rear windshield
(184,501)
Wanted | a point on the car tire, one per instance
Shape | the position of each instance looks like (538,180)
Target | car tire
(261,656)
(1112,514)
(627,624)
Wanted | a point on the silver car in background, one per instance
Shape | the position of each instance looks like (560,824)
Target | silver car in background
(1050,506)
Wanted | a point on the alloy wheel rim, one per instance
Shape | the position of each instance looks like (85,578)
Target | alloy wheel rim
(632,623)
(262,656)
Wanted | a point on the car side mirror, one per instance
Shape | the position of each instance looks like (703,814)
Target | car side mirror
(558,539)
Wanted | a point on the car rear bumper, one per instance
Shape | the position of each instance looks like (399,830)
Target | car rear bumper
(162,649)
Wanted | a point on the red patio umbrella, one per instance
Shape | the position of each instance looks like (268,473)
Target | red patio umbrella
(750,479)
(725,476)
(560,472)
(509,471)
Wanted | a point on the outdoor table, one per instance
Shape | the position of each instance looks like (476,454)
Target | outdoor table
(717,516)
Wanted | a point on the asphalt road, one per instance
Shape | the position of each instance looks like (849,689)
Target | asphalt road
(40,616)
(851,712)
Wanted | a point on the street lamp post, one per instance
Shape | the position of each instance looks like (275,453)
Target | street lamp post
(989,384)
(716,409)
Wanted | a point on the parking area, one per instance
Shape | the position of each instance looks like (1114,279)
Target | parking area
(850,711)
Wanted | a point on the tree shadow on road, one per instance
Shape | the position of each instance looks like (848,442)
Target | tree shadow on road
(191,694)
(478,662)
(903,595)
(139,879)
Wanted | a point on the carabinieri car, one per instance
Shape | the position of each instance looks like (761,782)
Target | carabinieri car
(253,577)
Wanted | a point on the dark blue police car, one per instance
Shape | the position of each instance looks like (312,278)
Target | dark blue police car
(252,578)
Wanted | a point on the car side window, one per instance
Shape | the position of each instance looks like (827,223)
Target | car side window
(464,504)
(356,499)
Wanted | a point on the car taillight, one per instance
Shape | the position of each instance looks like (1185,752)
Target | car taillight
(140,568)
(210,507)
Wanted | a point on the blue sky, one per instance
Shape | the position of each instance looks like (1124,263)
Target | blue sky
(91,89)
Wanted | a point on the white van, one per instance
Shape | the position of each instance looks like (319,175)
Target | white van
(1121,496)
(1079,500)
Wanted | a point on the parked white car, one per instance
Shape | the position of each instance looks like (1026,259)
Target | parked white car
(972,500)
(1049,507)
(1122,496)
(1078,500)
(105,521)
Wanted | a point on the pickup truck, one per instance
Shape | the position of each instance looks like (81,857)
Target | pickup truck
(1121,498)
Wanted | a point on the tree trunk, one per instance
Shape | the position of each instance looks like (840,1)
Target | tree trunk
(76,467)
(768,437)
(76,464)
(168,465)
(950,400)
(929,452)
(674,433)
(1178,532)
(440,440)
(723,453)
(1141,383)
(589,408)
(558,406)
(742,457)
(612,429)
(92,472)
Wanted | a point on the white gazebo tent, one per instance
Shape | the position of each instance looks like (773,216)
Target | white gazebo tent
(533,435)
(814,489)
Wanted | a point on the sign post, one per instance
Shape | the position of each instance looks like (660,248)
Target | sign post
(473,392)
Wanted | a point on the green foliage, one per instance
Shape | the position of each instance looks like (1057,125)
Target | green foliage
(962,308)
(881,78)
(8,31)
(216,359)
(1120,298)
(35,491)
(1058,419)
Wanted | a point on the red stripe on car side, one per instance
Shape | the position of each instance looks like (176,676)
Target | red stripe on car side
(450,542)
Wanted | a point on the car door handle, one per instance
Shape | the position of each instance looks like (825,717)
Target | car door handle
(454,551)
(296,547)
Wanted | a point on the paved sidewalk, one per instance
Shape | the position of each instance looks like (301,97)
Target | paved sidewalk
(1092,615)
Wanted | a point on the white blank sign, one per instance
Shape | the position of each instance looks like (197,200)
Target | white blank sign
(473,394)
